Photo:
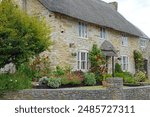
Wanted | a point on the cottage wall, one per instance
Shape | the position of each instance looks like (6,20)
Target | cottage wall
(64,32)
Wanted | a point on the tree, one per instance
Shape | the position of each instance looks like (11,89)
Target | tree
(21,36)
(96,58)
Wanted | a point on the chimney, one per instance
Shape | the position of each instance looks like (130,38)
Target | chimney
(114,5)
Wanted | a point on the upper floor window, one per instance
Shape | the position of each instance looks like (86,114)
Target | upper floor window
(83,30)
(124,63)
(124,40)
(143,43)
(83,61)
(102,33)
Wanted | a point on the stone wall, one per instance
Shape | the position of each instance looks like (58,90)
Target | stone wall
(140,93)
(64,31)
(114,91)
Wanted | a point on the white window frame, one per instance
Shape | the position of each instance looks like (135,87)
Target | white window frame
(82,63)
(102,33)
(83,30)
(124,40)
(124,64)
(143,45)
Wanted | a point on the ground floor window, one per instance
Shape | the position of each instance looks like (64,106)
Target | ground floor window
(83,61)
(124,63)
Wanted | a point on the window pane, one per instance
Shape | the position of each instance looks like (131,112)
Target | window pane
(78,65)
(83,65)
(82,56)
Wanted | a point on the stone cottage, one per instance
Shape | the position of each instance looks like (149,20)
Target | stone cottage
(78,24)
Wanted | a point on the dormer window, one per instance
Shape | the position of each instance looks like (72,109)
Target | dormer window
(124,40)
(142,43)
(83,30)
(102,33)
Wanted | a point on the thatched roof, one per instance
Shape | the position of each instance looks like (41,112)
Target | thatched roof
(93,11)
(108,49)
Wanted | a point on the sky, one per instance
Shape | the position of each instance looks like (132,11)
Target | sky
(137,12)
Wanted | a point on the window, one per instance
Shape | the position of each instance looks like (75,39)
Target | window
(82,30)
(143,43)
(124,63)
(124,40)
(83,62)
(102,33)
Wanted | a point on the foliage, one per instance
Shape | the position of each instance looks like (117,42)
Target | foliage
(12,82)
(43,81)
(106,76)
(127,77)
(21,36)
(89,79)
(54,82)
(140,76)
(74,78)
(139,61)
(59,71)
(41,66)
(118,68)
(26,69)
(96,58)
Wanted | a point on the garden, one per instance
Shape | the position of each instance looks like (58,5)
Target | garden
(23,38)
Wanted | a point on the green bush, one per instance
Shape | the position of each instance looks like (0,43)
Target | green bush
(12,82)
(54,82)
(43,81)
(118,68)
(129,80)
(59,71)
(107,76)
(22,36)
(127,77)
(89,79)
(140,76)
(26,69)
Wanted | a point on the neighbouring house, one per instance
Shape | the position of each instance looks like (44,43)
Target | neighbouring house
(78,24)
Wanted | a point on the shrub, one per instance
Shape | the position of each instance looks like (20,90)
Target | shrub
(96,58)
(54,82)
(118,68)
(74,78)
(40,66)
(129,80)
(59,71)
(89,79)
(26,69)
(43,81)
(12,82)
(138,59)
(127,77)
(107,76)
(140,76)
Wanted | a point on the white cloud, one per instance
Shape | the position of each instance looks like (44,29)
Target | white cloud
(135,11)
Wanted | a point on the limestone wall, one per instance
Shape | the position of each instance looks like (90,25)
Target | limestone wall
(64,31)
(140,93)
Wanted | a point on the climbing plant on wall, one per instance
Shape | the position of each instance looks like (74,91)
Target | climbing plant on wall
(139,61)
